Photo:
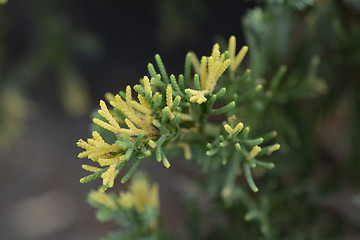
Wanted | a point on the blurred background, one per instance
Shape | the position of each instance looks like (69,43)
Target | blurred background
(58,58)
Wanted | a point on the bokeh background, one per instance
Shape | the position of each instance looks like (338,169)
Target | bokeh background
(58,58)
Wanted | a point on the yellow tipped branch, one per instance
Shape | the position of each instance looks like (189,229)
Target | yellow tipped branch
(236,60)
(109,97)
(128,111)
(254,151)
(147,85)
(91,168)
(105,125)
(141,108)
(165,161)
(239,57)
(109,176)
(113,125)
(232,131)
(119,158)
(203,71)
(162,116)
(197,96)
(232,48)
(169,114)
(141,119)
(103,199)
(212,68)
(131,126)
(187,149)
(96,147)
(269,149)
(144,103)
(169,99)
(151,143)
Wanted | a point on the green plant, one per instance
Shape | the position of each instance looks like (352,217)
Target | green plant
(173,113)
(294,46)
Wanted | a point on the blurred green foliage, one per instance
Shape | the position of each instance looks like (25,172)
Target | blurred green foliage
(49,47)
